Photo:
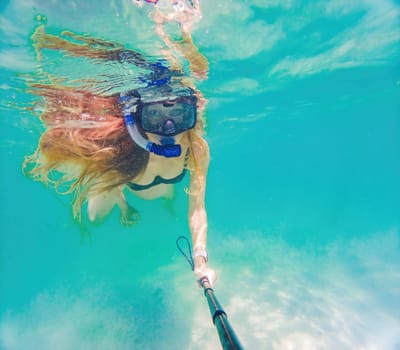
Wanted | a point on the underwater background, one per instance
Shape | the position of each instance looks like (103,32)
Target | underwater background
(302,195)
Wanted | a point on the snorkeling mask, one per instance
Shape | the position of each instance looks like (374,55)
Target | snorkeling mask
(165,110)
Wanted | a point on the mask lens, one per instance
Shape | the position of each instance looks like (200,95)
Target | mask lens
(155,115)
(152,117)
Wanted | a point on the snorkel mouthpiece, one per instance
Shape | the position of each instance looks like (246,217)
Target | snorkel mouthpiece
(168,151)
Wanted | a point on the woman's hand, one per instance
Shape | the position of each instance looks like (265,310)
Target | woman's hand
(202,270)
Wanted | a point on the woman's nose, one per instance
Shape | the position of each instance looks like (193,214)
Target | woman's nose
(169,127)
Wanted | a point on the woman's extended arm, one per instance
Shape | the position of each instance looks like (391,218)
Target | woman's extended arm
(85,46)
(200,159)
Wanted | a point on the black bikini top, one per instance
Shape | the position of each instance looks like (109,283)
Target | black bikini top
(157,181)
(160,180)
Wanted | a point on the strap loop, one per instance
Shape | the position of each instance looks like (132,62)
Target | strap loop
(187,254)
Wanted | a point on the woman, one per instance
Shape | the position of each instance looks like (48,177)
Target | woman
(144,140)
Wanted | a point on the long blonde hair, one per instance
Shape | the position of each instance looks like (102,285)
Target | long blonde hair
(85,148)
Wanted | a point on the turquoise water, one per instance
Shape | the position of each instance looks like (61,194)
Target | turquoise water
(303,189)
